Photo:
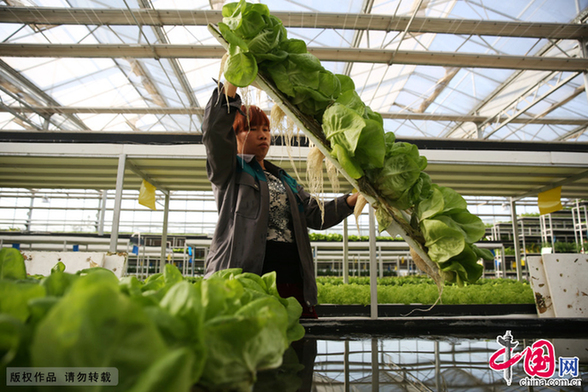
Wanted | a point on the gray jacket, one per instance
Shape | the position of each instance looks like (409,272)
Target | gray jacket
(242,198)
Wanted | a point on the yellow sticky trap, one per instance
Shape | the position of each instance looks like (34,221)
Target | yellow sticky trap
(147,195)
(550,201)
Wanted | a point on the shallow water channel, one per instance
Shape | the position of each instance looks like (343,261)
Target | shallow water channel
(431,363)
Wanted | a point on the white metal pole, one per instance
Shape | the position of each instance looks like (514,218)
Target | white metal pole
(375,366)
(345,252)
(515,238)
(120,177)
(373,266)
(437,366)
(551,232)
(164,234)
(102,213)
(380,262)
(145,261)
(346,386)
(524,251)
(503,256)
(30,213)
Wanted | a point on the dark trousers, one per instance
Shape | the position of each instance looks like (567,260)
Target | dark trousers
(283,258)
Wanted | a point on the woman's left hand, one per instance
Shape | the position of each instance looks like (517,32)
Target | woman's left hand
(352,199)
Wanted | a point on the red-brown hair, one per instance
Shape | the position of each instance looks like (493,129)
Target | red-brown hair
(254,117)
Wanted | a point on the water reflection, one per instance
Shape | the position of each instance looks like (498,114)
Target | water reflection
(410,364)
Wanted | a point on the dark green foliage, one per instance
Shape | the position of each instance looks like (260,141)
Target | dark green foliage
(421,289)
(159,334)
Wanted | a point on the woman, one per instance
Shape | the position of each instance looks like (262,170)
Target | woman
(264,214)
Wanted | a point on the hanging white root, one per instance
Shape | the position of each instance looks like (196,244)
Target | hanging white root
(426,268)
(432,272)
(221,71)
(314,170)
(277,119)
(247,97)
(314,175)
(333,174)
(359,205)
(259,92)
(284,127)
(289,129)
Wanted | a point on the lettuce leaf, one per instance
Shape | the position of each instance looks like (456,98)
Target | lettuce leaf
(12,264)
(399,173)
(250,339)
(343,126)
(471,226)
(348,163)
(250,31)
(484,254)
(432,205)
(462,268)
(371,150)
(358,143)
(241,68)
(452,201)
(95,325)
(347,83)
(245,19)
(15,295)
(442,240)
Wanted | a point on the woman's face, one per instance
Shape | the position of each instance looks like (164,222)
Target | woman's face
(255,142)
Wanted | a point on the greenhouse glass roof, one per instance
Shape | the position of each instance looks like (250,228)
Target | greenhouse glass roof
(474,69)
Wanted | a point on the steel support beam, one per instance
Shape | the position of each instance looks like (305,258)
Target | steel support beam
(518,113)
(358,34)
(146,177)
(563,182)
(322,20)
(16,114)
(175,65)
(440,86)
(199,111)
(564,101)
(413,57)
(579,20)
(573,133)
(584,49)
(39,94)
(105,110)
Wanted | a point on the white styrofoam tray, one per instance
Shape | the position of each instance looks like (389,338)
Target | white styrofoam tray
(567,277)
(540,287)
(40,262)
